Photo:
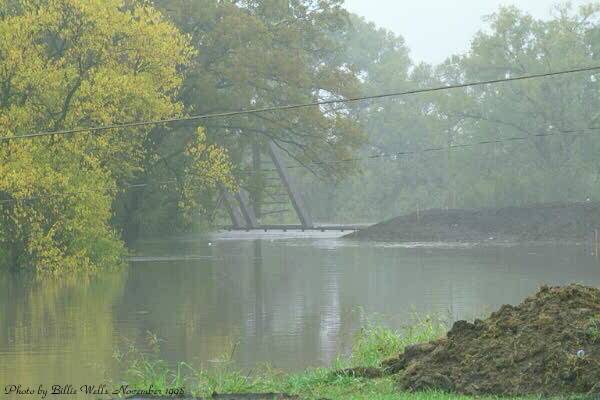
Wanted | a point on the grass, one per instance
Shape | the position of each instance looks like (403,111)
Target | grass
(372,344)
(593,329)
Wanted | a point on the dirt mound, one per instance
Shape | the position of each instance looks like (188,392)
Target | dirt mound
(540,222)
(548,345)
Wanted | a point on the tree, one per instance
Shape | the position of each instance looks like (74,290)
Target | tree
(387,185)
(558,167)
(254,54)
(548,153)
(70,63)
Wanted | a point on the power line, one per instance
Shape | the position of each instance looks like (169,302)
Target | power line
(393,157)
(294,106)
(132,186)
(396,155)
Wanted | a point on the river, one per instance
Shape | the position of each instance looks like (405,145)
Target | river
(292,301)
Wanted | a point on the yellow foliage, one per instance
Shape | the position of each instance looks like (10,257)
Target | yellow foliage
(69,63)
(210,166)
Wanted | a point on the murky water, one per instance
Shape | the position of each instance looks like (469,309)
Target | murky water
(292,302)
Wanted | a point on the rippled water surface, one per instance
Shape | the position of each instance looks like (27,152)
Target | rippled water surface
(292,301)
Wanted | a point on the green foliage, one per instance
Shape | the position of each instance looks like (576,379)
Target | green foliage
(593,329)
(540,169)
(144,371)
(373,344)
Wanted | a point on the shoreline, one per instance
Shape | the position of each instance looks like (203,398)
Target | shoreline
(538,223)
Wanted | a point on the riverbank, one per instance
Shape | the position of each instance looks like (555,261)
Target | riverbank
(548,345)
(541,222)
(372,345)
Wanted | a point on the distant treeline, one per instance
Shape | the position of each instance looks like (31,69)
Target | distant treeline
(547,129)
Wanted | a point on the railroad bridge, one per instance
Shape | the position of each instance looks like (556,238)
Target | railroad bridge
(242,214)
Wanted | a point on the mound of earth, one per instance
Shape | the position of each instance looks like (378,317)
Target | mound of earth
(547,345)
(570,221)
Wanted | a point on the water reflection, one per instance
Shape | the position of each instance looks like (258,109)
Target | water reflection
(52,332)
(292,303)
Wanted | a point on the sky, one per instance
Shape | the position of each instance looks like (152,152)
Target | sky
(435,29)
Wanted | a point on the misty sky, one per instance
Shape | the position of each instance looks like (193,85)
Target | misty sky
(434,29)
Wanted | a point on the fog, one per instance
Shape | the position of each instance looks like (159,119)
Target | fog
(435,29)
(209,196)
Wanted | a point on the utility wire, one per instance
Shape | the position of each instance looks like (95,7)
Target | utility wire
(294,106)
(390,157)
(132,186)
(396,155)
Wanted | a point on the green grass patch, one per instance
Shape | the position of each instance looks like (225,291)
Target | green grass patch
(593,329)
(373,344)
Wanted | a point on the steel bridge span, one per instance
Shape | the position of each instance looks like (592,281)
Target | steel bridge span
(242,213)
